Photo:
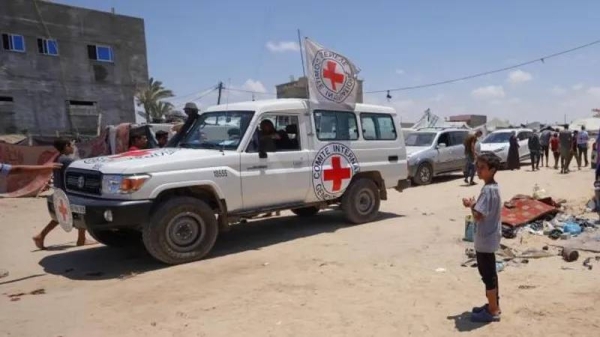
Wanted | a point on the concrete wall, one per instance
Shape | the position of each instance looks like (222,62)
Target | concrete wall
(41,85)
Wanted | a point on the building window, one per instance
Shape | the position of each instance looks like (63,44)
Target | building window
(47,47)
(100,53)
(336,125)
(13,42)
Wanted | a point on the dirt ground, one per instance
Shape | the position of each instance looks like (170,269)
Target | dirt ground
(286,276)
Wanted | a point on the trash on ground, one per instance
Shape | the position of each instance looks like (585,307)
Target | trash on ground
(570,255)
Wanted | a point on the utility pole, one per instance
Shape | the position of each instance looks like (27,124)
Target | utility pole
(220,89)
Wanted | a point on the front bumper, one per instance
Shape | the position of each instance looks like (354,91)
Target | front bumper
(125,213)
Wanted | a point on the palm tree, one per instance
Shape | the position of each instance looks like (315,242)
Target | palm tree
(150,98)
(161,109)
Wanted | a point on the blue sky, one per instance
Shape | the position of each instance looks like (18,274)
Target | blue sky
(252,45)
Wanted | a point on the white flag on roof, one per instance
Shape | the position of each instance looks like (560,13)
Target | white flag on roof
(332,81)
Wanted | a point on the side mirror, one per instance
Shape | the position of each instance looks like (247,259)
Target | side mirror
(441,145)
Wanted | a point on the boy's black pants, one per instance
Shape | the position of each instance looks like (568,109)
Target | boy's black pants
(486,264)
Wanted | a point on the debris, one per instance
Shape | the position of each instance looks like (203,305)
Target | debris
(555,234)
(469,229)
(16,295)
(266,264)
(40,291)
(470,253)
(527,287)
(522,210)
(440,270)
(3,273)
(153,323)
(499,266)
(587,263)
(570,255)
(565,236)
(572,228)
(545,248)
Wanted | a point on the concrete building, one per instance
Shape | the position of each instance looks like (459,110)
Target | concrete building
(299,89)
(471,120)
(64,68)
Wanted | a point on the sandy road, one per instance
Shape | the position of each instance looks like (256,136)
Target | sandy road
(288,276)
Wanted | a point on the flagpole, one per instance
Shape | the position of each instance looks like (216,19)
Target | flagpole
(308,115)
(302,60)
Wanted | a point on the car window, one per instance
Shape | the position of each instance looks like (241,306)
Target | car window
(280,134)
(336,125)
(444,138)
(377,126)
(457,138)
(419,138)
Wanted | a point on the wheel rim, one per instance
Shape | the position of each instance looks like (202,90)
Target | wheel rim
(425,174)
(185,232)
(365,201)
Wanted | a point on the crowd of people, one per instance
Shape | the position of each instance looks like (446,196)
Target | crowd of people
(565,146)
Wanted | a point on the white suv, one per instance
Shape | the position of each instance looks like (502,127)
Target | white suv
(497,142)
(222,168)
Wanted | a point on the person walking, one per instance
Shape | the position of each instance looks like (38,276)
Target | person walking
(534,150)
(582,146)
(545,143)
(574,148)
(470,159)
(513,161)
(66,149)
(565,139)
(554,147)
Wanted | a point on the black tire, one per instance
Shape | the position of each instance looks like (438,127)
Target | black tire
(360,202)
(181,230)
(424,174)
(306,211)
(117,238)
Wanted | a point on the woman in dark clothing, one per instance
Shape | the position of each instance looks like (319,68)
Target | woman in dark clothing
(513,153)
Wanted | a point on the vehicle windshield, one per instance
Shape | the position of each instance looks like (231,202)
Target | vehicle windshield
(419,139)
(497,137)
(222,130)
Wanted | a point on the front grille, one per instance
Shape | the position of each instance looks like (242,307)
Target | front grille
(83,181)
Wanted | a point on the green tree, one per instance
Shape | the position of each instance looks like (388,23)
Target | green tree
(150,98)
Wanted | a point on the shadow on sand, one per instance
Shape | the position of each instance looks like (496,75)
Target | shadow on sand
(100,262)
(463,323)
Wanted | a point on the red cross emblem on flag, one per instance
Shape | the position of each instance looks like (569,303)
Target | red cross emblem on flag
(330,73)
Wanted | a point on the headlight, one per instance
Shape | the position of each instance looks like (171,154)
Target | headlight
(119,184)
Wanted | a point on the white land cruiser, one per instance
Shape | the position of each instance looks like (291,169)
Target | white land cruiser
(233,162)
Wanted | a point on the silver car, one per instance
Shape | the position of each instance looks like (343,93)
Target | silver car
(432,152)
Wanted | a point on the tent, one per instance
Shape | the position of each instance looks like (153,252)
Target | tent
(496,124)
(592,124)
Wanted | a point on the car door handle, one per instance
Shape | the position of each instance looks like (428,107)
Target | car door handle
(393,158)
(257,167)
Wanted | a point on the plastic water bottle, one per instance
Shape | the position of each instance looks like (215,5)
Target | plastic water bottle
(536,191)
(499,266)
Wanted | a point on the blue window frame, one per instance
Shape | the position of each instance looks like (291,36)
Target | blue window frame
(100,53)
(48,47)
(104,53)
(13,42)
